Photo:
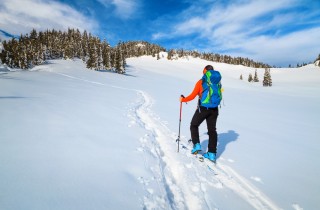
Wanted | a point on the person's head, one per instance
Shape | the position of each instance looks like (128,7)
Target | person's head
(208,67)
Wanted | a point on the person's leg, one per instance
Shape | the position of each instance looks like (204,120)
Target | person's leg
(197,119)
(212,132)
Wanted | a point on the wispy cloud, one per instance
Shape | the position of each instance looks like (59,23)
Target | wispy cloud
(20,16)
(267,31)
(123,8)
(293,48)
(235,20)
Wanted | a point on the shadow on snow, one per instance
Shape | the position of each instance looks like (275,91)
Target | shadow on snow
(223,140)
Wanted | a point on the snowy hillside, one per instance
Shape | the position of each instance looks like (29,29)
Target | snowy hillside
(72,138)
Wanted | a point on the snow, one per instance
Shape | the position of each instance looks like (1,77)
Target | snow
(73,138)
(140,45)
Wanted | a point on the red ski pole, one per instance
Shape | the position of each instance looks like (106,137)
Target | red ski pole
(178,139)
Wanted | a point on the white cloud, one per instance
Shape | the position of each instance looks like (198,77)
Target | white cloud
(296,47)
(123,8)
(235,19)
(158,36)
(253,28)
(20,16)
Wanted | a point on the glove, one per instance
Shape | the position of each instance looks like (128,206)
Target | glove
(181,98)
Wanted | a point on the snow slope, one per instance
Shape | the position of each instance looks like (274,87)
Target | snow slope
(72,138)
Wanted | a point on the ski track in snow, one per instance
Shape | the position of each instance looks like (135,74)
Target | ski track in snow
(188,182)
(180,181)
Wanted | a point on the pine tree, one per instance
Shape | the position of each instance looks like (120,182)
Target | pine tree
(119,60)
(106,55)
(256,79)
(241,77)
(92,56)
(124,63)
(250,79)
(24,61)
(8,59)
(170,54)
(100,65)
(85,45)
(267,81)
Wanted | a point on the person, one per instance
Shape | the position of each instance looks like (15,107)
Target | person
(205,111)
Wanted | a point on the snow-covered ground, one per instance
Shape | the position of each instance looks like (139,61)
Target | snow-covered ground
(72,138)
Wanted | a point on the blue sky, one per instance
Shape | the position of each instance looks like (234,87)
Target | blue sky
(278,32)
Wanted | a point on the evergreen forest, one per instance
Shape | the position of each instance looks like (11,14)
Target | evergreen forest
(35,48)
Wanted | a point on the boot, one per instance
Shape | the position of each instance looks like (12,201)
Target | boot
(196,148)
(210,155)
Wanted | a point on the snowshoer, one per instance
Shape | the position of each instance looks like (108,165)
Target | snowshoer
(208,88)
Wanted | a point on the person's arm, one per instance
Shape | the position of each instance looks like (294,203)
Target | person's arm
(194,93)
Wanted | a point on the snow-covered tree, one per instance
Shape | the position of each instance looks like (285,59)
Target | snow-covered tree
(106,54)
(100,65)
(119,65)
(170,54)
(267,81)
(256,79)
(92,62)
(250,79)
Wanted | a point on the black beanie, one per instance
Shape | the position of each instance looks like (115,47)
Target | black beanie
(209,67)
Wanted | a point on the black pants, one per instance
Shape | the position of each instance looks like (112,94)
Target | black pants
(210,115)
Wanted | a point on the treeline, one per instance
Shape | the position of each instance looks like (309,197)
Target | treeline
(299,65)
(35,48)
(140,48)
(172,54)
